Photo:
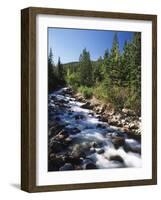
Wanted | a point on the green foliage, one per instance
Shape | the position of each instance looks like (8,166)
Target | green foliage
(114,78)
(55,73)
(87,92)
(85,68)
(72,79)
(61,72)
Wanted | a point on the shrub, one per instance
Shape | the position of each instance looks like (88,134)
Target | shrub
(87,92)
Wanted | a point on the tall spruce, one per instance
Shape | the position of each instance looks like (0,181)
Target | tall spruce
(126,65)
(136,62)
(60,71)
(50,71)
(85,68)
(114,67)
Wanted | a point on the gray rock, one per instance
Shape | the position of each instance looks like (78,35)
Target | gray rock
(91,166)
(77,117)
(87,105)
(92,150)
(57,146)
(128,112)
(93,144)
(117,158)
(55,128)
(100,126)
(100,151)
(66,167)
(118,141)
(55,163)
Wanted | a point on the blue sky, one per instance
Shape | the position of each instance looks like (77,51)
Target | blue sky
(69,43)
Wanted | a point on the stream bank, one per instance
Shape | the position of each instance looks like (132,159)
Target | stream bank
(81,137)
(125,120)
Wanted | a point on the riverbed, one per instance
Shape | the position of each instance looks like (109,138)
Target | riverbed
(79,140)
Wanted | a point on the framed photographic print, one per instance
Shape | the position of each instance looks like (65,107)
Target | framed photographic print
(89,99)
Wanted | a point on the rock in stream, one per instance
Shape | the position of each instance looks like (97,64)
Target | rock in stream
(78,139)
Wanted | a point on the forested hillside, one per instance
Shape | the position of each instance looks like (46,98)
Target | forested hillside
(114,78)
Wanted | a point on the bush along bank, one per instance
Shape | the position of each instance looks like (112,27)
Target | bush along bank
(126,119)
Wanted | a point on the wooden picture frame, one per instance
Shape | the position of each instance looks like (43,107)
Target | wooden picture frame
(28,98)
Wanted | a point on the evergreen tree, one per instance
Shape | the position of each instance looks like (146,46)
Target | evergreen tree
(114,61)
(136,62)
(60,71)
(126,63)
(50,71)
(97,70)
(115,78)
(85,68)
(106,58)
(50,62)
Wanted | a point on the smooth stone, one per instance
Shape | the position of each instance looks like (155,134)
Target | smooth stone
(94,144)
(77,117)
(117,158)
(101,126)
(55,163)
(92,150)
(87,105)
(74,131)
(91,166)
(118,141)
(100,151)
(57,146)
(74,160)
(66,167)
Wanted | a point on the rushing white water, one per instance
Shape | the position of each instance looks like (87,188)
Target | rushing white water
(91,129)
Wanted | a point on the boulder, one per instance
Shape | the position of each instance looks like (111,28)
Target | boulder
(118,141)
(117,158)
(68,91)
(91,114)
(100,108)
(100,151)
(91,166)
(128,112)
(61,136)
(77,117)
(134,149)
(113,122)
(92,150)
(55,163)
(87,105)
(80,150)
(55,129)
(68,141)
(94,144)
(57,118)
(74,160)
(133,125)
(62,101)
(53,98)
(57,146)
(66,167)
(101,126)
(74,131)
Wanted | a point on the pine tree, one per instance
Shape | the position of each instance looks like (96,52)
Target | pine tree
(60,71)
(126,63)
(136,62)
(106,58)
(114,61)
(50,62)
(50,71)
(85,68)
